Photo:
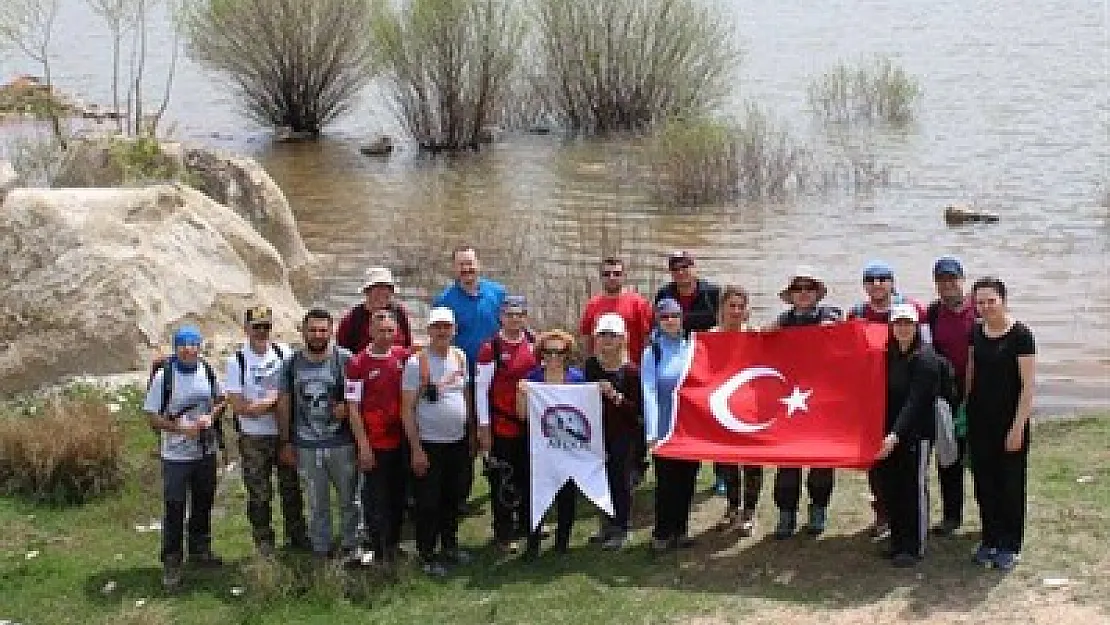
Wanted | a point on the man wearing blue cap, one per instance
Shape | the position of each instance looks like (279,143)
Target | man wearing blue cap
(950,319)
(183,408)
(882,296)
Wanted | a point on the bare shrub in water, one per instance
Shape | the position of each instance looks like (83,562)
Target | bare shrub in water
(297,64)
(625,65)
(66,451)
(705,161)
(448,63)
(877,91)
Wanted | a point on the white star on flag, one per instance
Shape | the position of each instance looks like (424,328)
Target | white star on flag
(796,401)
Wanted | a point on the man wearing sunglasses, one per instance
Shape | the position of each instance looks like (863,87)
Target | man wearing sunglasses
(252,394)
(878,284)
(803,293)
(698,298)
(614,298)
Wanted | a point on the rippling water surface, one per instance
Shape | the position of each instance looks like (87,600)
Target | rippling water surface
(1014,119)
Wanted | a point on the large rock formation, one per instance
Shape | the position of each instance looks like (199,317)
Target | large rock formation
(93,279)
(8,179)
(237,182)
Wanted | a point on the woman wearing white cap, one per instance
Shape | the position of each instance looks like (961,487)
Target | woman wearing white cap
(913,376)
(622,412)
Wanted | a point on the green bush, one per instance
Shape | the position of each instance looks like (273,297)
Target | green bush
(62,450)
(705,161)
(877,91)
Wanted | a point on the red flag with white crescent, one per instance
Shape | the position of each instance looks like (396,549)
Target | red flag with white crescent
(810,396)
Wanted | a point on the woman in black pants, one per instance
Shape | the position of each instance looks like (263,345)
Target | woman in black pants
(1000,380)
(901,470)
(622,408)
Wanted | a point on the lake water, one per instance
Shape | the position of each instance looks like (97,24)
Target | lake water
(1013,118)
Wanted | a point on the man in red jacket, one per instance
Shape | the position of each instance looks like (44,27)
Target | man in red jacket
(503,361)
(374,390)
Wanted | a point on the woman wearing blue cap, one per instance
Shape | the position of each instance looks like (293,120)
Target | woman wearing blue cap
(663,362)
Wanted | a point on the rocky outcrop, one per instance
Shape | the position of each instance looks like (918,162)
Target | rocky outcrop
(93,279)
(8,179)
(237,182)
(959,214)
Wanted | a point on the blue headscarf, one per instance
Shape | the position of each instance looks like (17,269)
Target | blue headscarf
(186,336)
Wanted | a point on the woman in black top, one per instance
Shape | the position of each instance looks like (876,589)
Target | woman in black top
(1000,379)
(622,413)
(912,380)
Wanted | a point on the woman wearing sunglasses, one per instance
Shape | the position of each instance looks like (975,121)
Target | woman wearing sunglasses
(621,413)
(663,362)
(555,349)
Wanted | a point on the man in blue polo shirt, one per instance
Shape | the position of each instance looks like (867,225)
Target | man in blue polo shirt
(476,303)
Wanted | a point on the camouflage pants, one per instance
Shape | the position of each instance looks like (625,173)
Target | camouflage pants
(259,455)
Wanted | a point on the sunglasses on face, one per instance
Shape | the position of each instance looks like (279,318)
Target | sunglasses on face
(877,279)
(263,327)
(670,316)
(608,334)
(555,351)
(803,286)
(681,267)
(616,273)
(516,315)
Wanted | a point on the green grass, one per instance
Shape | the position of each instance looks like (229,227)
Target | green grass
(836,579)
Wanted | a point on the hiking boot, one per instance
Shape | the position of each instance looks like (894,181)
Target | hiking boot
(787,525)
(903,560)
(434,569)
(265,549)
(879,530)
(984,555)
(1005,560)
(946,528)
(818,519)
(456,557)
(747,523)
(172,574)
(728,521)
(205,560)
(685,542)
(299,545)
(615,542)
(659,545)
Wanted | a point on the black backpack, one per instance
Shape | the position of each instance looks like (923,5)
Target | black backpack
(947,389)
(241,359)
(165,365)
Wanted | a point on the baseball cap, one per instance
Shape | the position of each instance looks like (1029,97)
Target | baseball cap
(257,315)
(610,322)
(679,259)
(668,306)
(903,311)
(516,303)
(376,276)
(948,266)
(187,336)
(878,269)
(441,314)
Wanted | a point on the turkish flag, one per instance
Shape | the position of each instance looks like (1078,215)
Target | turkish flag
(811,396)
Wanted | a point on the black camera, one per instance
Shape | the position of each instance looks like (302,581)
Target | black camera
(430,392)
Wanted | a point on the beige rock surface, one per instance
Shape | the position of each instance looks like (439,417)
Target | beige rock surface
(95,279)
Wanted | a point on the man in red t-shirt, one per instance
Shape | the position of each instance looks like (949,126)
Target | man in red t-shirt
(614,298)
(374,388)
(503,361)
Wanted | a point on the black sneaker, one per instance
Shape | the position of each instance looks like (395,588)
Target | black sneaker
(205,560)
(946,528)
(172,574)
(904,560)
(456,557)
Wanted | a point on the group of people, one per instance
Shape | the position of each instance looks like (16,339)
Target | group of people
(361,404)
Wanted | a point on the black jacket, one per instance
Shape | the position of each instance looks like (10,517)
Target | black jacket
(912,389)
(703,313)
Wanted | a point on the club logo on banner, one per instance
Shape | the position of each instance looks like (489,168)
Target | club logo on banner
(809,396)
(564,426)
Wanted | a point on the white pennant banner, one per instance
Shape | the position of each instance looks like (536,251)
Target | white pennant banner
(567,443)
